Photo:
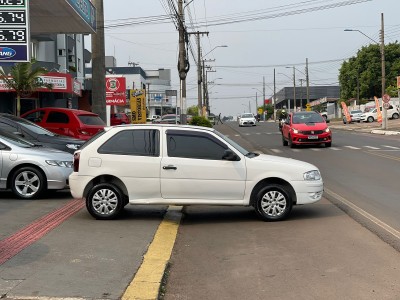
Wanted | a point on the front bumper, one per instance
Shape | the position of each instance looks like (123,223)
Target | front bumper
(57,177)
(308,191)
(303,139)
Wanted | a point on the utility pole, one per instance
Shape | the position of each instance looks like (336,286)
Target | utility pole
(294,88)
(183,66)
(274,97)
(308,82)
(384,115)
(264,98)
(301,93)
(99,64)
(199,79)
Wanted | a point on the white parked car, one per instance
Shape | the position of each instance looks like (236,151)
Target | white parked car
(372,115)
(186,165)
(247,119)
(355,116)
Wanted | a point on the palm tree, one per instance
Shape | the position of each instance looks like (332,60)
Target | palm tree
(23,79)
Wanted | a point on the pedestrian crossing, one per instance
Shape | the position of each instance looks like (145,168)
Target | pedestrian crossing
(370,148)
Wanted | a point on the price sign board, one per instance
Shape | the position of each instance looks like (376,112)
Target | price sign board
(14,31)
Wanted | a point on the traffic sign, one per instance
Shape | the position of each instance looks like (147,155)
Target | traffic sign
(386,98)
(386,105)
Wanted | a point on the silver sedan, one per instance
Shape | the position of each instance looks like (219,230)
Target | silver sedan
(29,169)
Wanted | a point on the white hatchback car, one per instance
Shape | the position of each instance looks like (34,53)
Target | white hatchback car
(247,119)
(186,165)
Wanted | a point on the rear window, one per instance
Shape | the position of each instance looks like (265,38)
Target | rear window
(91,120)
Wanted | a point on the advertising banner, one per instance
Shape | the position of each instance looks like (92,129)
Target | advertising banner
(138,106)
(346,112)
(378,110)
(115,91)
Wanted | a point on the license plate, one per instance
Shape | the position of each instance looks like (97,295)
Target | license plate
(313,137)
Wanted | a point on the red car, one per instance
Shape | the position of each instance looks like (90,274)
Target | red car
(305,128)
(80,124)
(119,118)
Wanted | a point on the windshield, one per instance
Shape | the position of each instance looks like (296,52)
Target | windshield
(91,120)
(32,126)
(301,118)
(247,116)
(16,140)
(232,143)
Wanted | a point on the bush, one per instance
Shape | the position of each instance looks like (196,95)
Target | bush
(200,121)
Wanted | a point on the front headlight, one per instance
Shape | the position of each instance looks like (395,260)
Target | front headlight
(72,146)
(295,130)
(312,175)
(59,163)
(327,130)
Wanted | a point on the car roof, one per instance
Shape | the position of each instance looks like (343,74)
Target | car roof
(175,126)
(61,109)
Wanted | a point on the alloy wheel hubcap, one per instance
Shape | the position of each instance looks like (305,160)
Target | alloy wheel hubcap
(273,203)
(27,183)
(104,201)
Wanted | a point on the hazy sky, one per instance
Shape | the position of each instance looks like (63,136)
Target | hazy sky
(286,33)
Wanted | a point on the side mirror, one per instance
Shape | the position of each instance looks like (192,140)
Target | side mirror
(230,155)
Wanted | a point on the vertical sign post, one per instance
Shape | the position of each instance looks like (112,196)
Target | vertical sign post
(14,31)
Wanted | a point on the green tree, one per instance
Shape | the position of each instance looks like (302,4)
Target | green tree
(24,80)
(365,68)
(193,110)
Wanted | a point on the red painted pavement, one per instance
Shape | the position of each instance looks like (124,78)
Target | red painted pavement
(15,243)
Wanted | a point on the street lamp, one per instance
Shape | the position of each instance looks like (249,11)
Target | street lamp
(220,46)
(382,46)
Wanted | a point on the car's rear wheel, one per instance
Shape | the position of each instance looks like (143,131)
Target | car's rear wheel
(105,201)
(370,119)
(273,203)
(27,183)
(395,116)
(284,142)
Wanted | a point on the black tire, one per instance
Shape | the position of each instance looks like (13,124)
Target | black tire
(328,144)
(344,121)
(284,142)
(105,201)
(273,203)
(370,119)
(28,183)
(395,116)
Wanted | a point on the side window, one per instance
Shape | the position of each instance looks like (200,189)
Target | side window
(192,145)
(140,142)
(57,117)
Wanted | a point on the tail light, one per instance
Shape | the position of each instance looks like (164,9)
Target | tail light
(76,161)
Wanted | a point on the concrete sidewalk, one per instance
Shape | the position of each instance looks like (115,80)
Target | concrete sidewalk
(393,127)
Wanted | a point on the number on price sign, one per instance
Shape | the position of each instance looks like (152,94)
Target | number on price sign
(386,105)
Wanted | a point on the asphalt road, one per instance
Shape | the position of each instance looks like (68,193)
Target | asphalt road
(325,250)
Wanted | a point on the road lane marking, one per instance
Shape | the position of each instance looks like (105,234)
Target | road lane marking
(383,155)
(335,148)
(12,245)
(315,149)
(391,147)
(296,150)
(362,212)
(351,147)
(373,148)
(147,281)
(276,150)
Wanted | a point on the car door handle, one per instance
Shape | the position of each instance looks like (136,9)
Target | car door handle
(169,167)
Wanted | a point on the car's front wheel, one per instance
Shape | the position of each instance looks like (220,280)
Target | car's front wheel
(370,119)
(105,201)
(290,142)
(27,183)
(273,203)
(284,141)
(395,116)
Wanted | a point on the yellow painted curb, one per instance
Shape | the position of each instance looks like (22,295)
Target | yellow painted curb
(146,283)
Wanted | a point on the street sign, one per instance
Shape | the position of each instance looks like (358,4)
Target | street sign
(14,31)
(386,105)
(386,98)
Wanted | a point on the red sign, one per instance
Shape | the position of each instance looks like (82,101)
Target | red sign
(386,98)
(116,91)
(267,101)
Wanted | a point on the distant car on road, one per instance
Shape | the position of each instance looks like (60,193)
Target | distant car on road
(160,164)
(372,115)
(80,124)
(305,128)
(168,119)
(29,170)
(119,119)
(37,134)
(247,119)
(355,116)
